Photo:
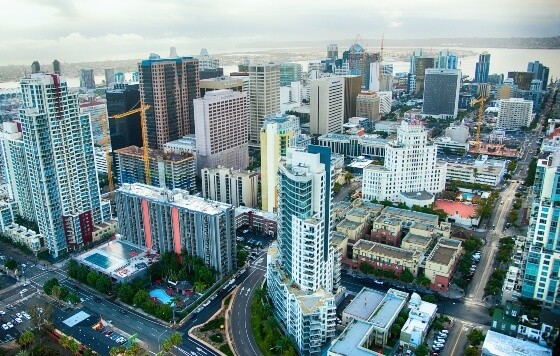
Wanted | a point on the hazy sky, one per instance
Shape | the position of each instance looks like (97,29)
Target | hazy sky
(78,30)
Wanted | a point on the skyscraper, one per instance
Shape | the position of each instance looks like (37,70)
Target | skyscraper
(541,263)
(56,67)
(264,96)
(367,105)
(332,51)
(60,163)
(360,63)
(514,113)
(87,79)
(222,127)
(277,135)
(420,66)
(482,68)
(446,60)
(35,67)
(522,79)
(540,72)
(290,72)
(441,92)
(125,131)
(303,270)
(169,86)
(326,105)
(173,221)
(109,77)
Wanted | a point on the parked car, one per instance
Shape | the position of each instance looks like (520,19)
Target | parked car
(439,345)
(5,327)
(18,320)
(445,331)
(10,325)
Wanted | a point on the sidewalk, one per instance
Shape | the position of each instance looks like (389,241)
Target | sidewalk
(453,292)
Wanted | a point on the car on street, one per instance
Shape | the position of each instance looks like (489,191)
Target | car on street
(438,345)
(378,282)
(24,290)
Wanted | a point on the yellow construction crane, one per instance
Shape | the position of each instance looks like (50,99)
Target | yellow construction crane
(146,157)
(480,101)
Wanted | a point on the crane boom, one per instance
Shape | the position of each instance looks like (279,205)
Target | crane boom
(480,101)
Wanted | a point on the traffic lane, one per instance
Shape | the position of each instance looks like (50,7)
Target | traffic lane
(455,341)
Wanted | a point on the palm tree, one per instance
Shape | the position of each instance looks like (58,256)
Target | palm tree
(260,294)
(199,286)
(26,338)
(283,344)
(269,325)
(176,338)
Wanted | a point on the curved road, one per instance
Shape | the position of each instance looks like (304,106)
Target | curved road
(240,320)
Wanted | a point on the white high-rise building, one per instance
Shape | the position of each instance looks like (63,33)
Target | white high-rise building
(410,168)
(221,129)
(60,163)
(235,187)
(264,96)
(514,113)
(303,269)
(326,105)
(385,101)
(374,70)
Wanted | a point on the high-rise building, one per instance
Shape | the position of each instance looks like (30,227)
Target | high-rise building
(540,267)
(422,63)
(385,101)
(35,67)
(410,168)
(264,96)
(60,163)
(109,77)
(386,81)
(514,113)
(235,187)
(97,111)
(303,268)
(14,169)
(441,92)
(521,79)
(233,83)
(326,105)
(352,88)
(169,86)
(482,68)
(290,72)
(87,78)
(367,105)
(126,131)
(209,66)
(360,62)
(446,60)
(540,72)
(411,82)
(169,170)
(222,127)
(332,51)
(56,67)
(173,221)
(277,134)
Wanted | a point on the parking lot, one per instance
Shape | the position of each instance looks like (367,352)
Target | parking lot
(14,320)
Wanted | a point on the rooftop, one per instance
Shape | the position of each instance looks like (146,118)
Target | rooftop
(452,208)
(503,345)
(422,195)
(417,239)
(409,215)
(389,308)
(388,220)
(364,304)
(265,214)
(347,224)
(442,255)
(350,341)
(155,155)
(385,250)
(176,197)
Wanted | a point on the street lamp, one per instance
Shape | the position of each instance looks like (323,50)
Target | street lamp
(159,337)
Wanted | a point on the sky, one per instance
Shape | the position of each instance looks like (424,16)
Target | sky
(78,30)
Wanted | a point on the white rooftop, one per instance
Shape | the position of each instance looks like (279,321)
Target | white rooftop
(387,310)
(177,197)
(350,341)
(364,304)
(503,345)
(243,209)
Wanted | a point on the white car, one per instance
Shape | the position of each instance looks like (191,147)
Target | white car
(19,321)
(438,345)
(23,265)
(26,316)
(10,325)
(5,327)
(18,315)
(2,312)
(24,290)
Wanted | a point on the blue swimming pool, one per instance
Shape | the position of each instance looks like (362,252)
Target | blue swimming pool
(162,296)
(467,195)
(100,260)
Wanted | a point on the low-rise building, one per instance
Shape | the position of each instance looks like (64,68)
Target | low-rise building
(108,228)
(368,326)
(417,242)
(351,229)
(459,213)
(256,219)
(235,187)
(429,229)
(420,198)
(483,171)
(420,317)
(445,145)
(23,235)
(354,145)
(386,229)
(441,263)
(505,321)
(509,291)
(496,344)
(385,257)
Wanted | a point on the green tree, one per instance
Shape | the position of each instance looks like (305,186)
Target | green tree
(422,280)
(26,339)
(530,179)
(407,276)
(126,293)
(103,284)
(471,351)
(92,278)
(11,264)
(82,274)
(49,284)
(430,298)
(72,269)
(475,337)
(141,298)
(421,350)
(56,291)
